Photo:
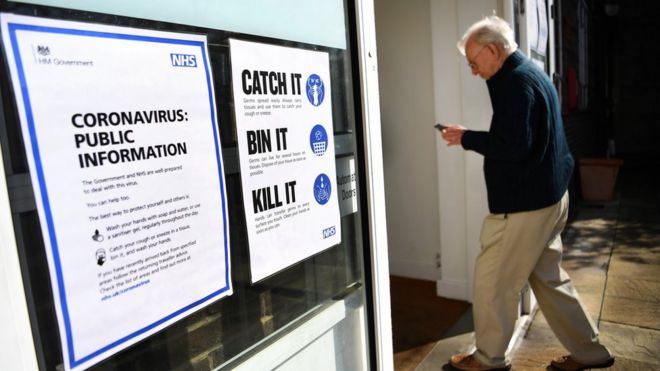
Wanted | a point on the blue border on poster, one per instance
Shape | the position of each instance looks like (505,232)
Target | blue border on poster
(13,28)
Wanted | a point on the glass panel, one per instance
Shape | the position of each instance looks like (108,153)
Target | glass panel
(256,314)
(315,22)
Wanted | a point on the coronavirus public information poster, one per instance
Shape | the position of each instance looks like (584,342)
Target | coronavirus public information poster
(120,132)
(286,149)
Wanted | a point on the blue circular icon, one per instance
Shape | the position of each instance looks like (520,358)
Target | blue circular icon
(318,140)
(322,189)
(315,90)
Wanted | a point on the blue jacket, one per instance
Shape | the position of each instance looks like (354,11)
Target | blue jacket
(527,163)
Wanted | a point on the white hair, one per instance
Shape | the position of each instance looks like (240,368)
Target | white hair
(490,30)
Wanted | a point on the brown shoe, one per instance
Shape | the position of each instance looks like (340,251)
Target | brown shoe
(567,363)
(467,362)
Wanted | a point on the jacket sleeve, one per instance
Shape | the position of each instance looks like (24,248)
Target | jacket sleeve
(511,133)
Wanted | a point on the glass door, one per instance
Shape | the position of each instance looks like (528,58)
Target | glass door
(317,308)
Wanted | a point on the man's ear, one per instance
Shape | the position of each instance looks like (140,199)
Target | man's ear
(495,50)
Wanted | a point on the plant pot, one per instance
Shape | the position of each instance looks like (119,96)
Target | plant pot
(598,177)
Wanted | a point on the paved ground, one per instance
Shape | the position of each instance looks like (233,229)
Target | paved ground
(612,252)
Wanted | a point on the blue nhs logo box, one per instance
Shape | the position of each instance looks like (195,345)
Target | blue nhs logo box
(183,60)
(329,232)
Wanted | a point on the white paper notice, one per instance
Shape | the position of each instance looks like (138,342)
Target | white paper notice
(120,131)
(542,42)
(286,149)
(532,24)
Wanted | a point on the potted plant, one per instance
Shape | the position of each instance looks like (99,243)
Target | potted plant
(598,177)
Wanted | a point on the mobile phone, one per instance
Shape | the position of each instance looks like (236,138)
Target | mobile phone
(440,127)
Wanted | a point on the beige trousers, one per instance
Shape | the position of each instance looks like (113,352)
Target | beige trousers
(521,247)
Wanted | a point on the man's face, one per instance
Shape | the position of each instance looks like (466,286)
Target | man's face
(482,59)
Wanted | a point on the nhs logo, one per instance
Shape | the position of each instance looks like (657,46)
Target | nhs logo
(183,60)
(329,232)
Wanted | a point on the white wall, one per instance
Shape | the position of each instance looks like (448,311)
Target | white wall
(403,33)
(436,196)
(460,98)
(451,161)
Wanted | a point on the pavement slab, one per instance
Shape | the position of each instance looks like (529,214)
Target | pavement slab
(637,234)
(625,364)
(638,345)
(444,349)
(636,289)
(639,214)
(639,266)
(640,313)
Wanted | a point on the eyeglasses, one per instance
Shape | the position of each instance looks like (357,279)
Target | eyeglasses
(472,64)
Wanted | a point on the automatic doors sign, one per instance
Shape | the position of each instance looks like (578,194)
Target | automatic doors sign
(120,130)
(286,150)
(346,185)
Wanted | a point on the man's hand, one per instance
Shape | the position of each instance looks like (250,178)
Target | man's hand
(453,134)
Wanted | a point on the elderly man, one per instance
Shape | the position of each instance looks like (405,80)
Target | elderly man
(527,166)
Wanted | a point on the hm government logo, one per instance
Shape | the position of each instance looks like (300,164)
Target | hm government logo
(43,50)
(43,55)
(183,60)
